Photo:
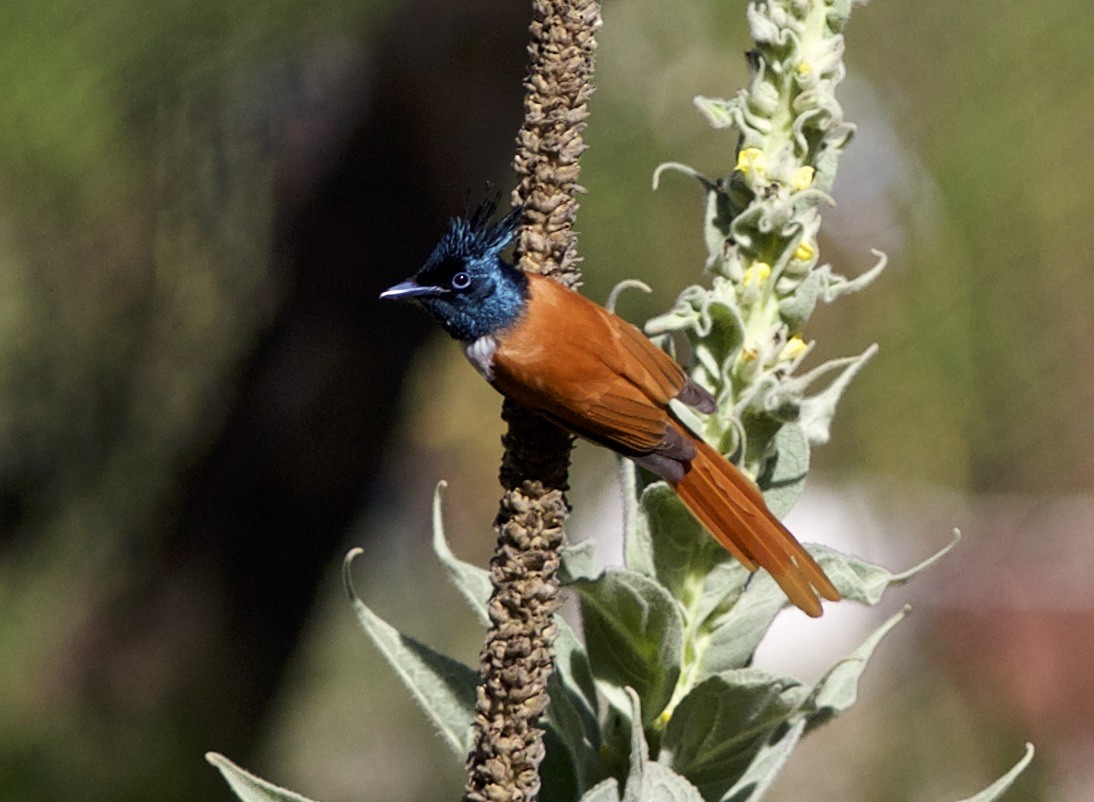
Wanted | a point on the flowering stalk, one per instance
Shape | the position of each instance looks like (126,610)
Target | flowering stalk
(761,225)
(661,701)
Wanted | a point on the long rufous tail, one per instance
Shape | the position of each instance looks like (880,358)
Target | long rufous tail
(728,504)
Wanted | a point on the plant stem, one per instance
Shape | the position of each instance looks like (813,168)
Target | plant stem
(516,662)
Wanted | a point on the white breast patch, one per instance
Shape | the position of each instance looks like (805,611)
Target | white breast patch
(480,353)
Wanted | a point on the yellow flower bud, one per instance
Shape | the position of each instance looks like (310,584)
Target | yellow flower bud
(804,252)
(758,273)
(751,160)
(804,67)
(749,354)
(794,348)
(803,178)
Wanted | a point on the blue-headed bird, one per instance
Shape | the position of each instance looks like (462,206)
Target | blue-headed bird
(557,353)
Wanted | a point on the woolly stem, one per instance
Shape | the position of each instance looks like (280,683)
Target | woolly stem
(517,660)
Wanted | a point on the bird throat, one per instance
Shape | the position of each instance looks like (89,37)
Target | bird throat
(480,353)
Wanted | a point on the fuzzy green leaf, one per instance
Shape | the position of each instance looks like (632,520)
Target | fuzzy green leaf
(648,781)
(720,727)
(247,786)
(573,709)
(784,477)
(558,775)
(471,581)
(716,110)
(817,411)
(858,580)
(682,548)
(634,634)
(661,784)
(736,634)
(445,688)
(637,539)
(1000,786)
(766,765)
(606,791)
(577,561)
(837,690)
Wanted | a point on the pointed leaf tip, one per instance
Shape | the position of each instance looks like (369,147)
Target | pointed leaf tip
(1000,786)
(472,582)
(347,571)
(247,786)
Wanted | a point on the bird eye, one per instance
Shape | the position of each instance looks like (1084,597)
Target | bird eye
(461,281)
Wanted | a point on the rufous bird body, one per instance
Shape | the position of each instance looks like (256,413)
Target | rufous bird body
(555,352)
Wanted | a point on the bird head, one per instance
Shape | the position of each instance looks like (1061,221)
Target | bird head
(465,283)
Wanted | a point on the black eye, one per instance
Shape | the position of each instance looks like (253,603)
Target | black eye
(461,281)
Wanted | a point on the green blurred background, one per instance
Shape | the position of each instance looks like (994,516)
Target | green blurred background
(202,404)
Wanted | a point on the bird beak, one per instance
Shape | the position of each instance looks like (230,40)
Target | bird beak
(409,289)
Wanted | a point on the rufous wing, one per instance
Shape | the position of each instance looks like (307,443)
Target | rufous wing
(588,369)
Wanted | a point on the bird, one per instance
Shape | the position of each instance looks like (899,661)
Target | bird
(553,351)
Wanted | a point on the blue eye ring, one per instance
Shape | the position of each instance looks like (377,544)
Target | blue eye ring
(461,281)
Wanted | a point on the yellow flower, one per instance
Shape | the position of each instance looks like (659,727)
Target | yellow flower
(804,67)
(804,252)
(803,178)
(757,273)
(794,348)
(751,160)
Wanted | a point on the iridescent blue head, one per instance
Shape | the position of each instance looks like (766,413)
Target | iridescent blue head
(465,283)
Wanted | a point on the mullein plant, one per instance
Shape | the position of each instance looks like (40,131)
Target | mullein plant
(659,702)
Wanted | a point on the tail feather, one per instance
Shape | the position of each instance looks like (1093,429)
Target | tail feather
(732,508)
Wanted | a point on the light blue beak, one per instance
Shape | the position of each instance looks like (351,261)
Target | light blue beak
(409,289)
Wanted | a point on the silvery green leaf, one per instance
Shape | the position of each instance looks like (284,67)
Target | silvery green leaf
(681,546)
(647,781)
(625,284)
(247,786)
(761,28)
(766,765)
(735,635)
(687,416)
(1000,786)
(637,538)
(578,561)
(797,307)
(606,791)
(784,477)
(573,708)
(858,580)
(836,285)
(634,635)
(471,581)
(719,112)
(445,688)
(685,559)
(723,723)
(838,688)
(684,313)
(817,411)
(559,775)
(722,329)
(721,589)
(662,784)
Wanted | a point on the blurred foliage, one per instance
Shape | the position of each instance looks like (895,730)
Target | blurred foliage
(133,178)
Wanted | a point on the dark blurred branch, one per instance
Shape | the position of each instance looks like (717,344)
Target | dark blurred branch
(362,179)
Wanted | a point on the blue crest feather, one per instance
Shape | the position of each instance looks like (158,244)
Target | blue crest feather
(475,237)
